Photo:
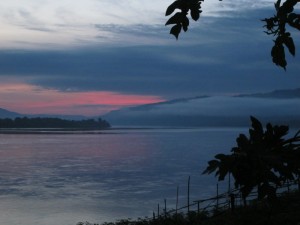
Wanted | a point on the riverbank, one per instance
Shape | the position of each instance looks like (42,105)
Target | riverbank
(54,131)
(284,210)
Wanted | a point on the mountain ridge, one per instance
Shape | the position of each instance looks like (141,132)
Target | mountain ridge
(4,113)
(282,94)
(280,106)
(199,110)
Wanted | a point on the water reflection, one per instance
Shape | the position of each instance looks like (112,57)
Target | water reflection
(96,177)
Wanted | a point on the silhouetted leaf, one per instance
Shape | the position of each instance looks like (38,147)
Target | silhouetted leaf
(195,9)
(212,166)
(195,14)
(242,141)
(280,131)
(277,5)
(256,124)
(292,16)
(289,43)
(185,23)
(172,7)
(287,7)
(294,20)
(175,30)
(220,156)
(176,19)
(278,55)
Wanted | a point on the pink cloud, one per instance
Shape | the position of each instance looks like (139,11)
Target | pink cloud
(30,99)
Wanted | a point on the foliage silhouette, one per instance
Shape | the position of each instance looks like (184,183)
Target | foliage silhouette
(285,212)
(180,19)
(264,161)
(275,25)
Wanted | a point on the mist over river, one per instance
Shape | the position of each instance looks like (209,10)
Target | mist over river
(62,179)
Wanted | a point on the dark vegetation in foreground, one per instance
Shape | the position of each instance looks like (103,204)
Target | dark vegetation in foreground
(285,210)
(265,167)
(38,122)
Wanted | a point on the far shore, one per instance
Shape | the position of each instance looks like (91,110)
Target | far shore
(111,130)
(53,131)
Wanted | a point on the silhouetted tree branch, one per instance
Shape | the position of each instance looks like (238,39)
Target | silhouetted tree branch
(276,25)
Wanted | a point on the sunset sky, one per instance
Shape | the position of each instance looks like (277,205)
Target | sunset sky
(88,57)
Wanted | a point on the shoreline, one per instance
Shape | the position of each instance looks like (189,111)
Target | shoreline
(53,131)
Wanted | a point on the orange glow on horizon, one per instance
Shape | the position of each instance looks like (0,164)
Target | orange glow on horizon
(31,99)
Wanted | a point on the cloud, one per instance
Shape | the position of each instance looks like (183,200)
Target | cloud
(216,56)
(29,99)
(71,24)
(223,55)
(67,23)
(210,111)
(233,8)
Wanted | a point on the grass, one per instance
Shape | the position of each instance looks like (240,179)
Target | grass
(285,210)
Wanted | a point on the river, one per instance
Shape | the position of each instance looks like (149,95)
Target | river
(62,179)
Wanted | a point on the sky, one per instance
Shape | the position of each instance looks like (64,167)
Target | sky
(88,57)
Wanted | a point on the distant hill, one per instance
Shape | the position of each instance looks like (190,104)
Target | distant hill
(12,115)
(170,102)
(65,117)
(8,114)
(279,107)
(284,94)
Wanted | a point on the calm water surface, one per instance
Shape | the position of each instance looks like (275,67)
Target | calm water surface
(62,179)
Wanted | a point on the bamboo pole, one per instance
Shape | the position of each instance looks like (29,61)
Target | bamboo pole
(165,208)
(298,182)
(177,199)
(188,198)
(229,183)
(217,195)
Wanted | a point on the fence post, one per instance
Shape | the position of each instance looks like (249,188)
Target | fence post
(229,183)
(157,211)
(299,182)
(232,201)
(198,207)
(165,208)
(177,199)
(188,200)
(153,215)
(217,196)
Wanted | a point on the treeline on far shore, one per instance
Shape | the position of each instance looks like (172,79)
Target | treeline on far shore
(25,122)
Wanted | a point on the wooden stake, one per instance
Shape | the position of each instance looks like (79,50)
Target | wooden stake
(217,195)
(188,199)
(177,199)
(229,184)
(165,208)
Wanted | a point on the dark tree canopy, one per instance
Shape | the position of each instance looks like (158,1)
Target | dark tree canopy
(265,160)
(38,122)
(284,16)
